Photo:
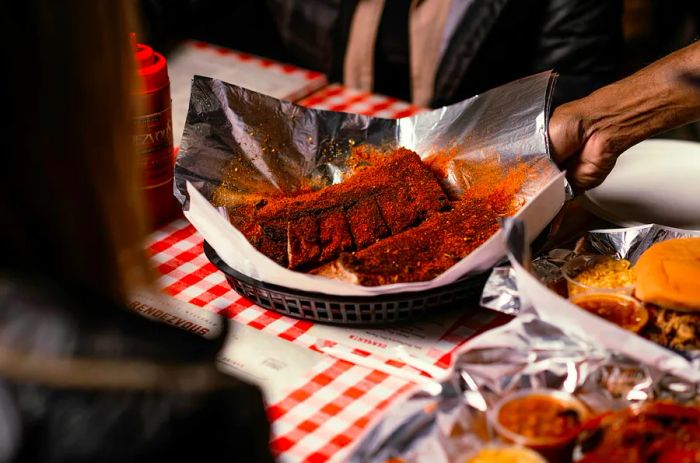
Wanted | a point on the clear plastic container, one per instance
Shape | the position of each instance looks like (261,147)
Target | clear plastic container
(621,309)
(536,411)
(607,276)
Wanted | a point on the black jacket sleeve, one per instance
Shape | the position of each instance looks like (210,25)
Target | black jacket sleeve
(69,397)
(498,41)
(582,41)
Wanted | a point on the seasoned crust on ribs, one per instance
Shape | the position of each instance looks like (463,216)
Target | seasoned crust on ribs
(307,230)
(366,222)
(304,245)
(420,253)
(334,233)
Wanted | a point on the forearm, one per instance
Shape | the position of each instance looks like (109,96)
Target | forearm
(650,101)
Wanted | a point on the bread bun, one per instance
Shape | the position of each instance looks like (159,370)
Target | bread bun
(668,274)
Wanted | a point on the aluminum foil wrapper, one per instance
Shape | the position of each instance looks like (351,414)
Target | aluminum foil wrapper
(255,146)
(501,290)
(447,422)
(530,277)
(280,146)
(630,243)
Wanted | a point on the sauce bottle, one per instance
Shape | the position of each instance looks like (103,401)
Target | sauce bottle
(153,134)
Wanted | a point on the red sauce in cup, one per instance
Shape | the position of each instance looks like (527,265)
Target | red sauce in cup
(547,421)
(539,417)
(624,311)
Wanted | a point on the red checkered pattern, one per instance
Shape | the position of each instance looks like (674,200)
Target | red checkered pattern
(335,97)
(315,79)
(319,421)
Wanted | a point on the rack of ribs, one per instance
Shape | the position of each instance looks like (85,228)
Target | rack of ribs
(305,231)
(420,253)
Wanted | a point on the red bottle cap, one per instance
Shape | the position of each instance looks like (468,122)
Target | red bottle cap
(151,65)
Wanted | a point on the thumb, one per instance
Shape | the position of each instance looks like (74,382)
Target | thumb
(566,134)
(595,161)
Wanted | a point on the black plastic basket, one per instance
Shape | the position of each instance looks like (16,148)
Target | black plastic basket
(348,310)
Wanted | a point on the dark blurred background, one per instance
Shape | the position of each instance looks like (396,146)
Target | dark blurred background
(654,28)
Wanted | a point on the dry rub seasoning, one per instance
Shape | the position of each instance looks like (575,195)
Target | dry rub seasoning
(391,211)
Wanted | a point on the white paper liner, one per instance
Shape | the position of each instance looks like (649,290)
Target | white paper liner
(239,254)
(277,145)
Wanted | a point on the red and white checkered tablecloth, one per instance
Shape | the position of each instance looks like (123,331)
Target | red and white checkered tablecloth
(320,420)
(335,97)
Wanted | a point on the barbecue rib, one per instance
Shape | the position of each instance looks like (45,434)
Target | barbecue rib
(305,231)
(420,253)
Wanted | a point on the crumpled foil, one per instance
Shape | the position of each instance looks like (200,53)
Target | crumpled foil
(255,145)
(277,145)
(447,422)
(630,243)
(501,293)
(531,279)
(501,290)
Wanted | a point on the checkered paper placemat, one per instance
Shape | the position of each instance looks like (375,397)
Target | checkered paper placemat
(335,97)
(318,421)
(338,400)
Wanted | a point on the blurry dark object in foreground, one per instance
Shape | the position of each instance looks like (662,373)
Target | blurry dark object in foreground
(83,379)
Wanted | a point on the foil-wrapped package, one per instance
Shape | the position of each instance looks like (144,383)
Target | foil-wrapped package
(448,422)
(501,291)
(630,243)
(250,146)
(530,278)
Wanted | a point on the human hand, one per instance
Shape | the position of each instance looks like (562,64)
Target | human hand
(587,135)
(587,156)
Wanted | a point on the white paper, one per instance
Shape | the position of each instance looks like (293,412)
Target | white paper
(558,311)
(188,317)
(421,339)
(275,365)
(235,250)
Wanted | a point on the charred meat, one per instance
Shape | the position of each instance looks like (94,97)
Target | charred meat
(420,253)
(305,231)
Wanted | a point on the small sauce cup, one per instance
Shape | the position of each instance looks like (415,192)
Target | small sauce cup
(622,310)
(545,420)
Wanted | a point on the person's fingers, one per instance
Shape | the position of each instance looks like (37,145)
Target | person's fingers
(588,158)
(592,165)
(566,135)
(585,175)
